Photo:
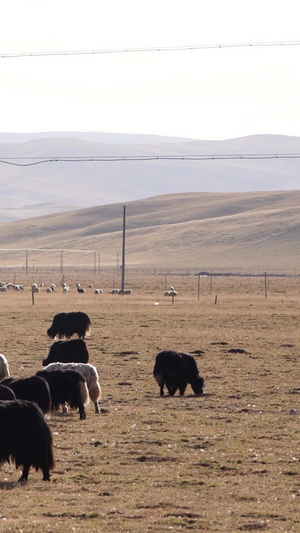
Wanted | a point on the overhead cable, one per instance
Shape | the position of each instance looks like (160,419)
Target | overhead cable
(31,161)
(148,49)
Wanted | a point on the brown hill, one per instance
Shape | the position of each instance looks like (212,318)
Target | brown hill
(56,174)
(255,230)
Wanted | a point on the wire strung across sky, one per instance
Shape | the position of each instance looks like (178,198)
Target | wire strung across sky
(31,161)
(46,250)
(148,49)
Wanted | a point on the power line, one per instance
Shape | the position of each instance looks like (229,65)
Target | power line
(148,49)
(32,161)
(46,250)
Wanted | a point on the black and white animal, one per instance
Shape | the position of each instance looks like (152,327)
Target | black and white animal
(115,291)
(175,370)
(26,438)
(80,289)
(69,324)
(171,292)
(34,389)
(35,288)
(73,351)
(89,372)
(4,368)
(67,386)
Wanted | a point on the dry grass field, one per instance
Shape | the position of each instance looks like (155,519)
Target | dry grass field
(227,461)
(203,231)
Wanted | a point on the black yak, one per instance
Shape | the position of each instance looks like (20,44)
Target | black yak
(175,370)
(34,389)
(6,393)
(69,324)
(89,372)
(73,351)
(25,438)
(67,386)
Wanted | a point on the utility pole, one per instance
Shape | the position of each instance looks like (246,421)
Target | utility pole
(62,261)
(123,251)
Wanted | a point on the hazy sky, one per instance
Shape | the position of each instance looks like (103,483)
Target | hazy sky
(216,93)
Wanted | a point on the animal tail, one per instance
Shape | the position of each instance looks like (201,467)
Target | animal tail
(48,461)
(84,393)
(158,371)
(4,370)
(40,451)
(159,378)
(94,389)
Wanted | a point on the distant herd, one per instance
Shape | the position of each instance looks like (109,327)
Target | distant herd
(4,287)
(67,379)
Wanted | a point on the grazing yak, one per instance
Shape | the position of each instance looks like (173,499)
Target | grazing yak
(175,370)
(34,389)
(73,351)
(67,386)
(89,372)
(26,438)
(68,324)
(4,368)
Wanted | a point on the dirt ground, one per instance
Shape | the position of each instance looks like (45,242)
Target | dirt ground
(226,461)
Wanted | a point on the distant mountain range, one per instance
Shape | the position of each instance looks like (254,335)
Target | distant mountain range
(39,189)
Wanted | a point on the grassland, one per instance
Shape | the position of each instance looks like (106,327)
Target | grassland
(227,461)
(241,231)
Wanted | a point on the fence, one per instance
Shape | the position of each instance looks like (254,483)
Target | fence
(29,259)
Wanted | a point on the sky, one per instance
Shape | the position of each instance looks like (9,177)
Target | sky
(201,93)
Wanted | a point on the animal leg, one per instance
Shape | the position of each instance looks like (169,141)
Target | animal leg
(46,475)
(82,413)
(171,389)
(97,408)
(24,476)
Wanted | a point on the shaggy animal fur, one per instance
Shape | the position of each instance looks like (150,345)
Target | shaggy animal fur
(34,389)
(175,370)
(6,393)
(69,324)
(67,386)
(25,438)
(73,351)
(4,368)
(89,372)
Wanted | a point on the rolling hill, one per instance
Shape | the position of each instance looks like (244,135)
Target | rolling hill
(241,230)
(33,183)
